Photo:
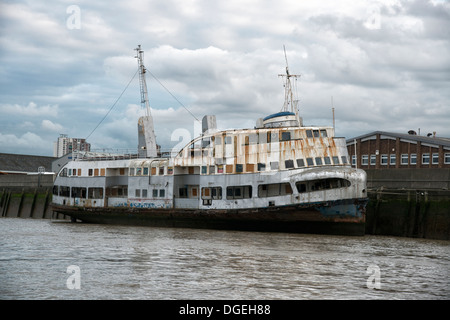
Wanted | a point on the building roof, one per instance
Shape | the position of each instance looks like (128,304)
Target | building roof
(20,163)
(432,140)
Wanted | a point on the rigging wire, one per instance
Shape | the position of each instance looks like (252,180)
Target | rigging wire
(110,109)
(181,104)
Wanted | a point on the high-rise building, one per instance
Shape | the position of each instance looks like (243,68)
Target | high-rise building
(65,145)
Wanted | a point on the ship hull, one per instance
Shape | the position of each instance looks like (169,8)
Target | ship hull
(341,217)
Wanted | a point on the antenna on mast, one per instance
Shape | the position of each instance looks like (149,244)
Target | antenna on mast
(142,83)
(290,104)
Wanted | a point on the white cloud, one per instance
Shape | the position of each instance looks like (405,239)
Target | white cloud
(50,126)
(29,110)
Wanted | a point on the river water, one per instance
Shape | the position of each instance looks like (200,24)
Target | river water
(43,259)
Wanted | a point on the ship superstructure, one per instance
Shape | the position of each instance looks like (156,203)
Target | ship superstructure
(277,176)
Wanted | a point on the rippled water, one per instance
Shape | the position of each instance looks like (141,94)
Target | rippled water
(122,262)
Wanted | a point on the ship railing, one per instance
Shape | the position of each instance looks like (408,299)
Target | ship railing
(105,154)
(116,154)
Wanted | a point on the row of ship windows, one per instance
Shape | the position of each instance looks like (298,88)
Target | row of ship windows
(405,159)
(274,165)
(259,138)
(207,193)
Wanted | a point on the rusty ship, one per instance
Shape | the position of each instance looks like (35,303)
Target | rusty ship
(279,176)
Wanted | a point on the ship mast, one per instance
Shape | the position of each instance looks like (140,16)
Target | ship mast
(142,83)
(290,103)
(146,135)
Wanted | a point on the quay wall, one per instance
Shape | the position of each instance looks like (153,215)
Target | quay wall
(409,213)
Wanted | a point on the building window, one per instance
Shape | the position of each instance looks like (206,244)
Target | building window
(425,158)
(447,158)
(353,160)
(384,159)
(404,159)
(373,159)
(392,159)
(435,159)
(365,160)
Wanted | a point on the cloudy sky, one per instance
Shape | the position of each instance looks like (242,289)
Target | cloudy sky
(384,65)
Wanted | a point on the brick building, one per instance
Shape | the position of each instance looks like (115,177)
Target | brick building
(387,150)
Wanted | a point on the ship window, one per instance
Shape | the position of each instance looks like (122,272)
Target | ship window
(239,168)
(318,161)
(344,159)
(144,193)
(96,172)
(162,193)
(285,136)
(90,172)
(253,138)
(155,193)
(145,171)
(300,163)
(70,172)
(64,191)
(220,169)
(272,137)
(322,184)
(138,171)
(274,165)
(261,167)
(335,160)
(316,133)
(218,141)
(182,192)
(131,171)
(161,171)
(214,193)
(102,172)
(274,190)
(327,160)
(55,190)
(309,134)
(239,192)
(212,169)
(310,161)
(170,170)
(204,169)
(206,142)
(95,193)
(228,140)
(229,168)
(250,167)
(323,133)
(138,193)
(289,164)
(121,171)
(79,192)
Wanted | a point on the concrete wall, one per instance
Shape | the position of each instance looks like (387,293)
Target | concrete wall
(418,179)
(421,214)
